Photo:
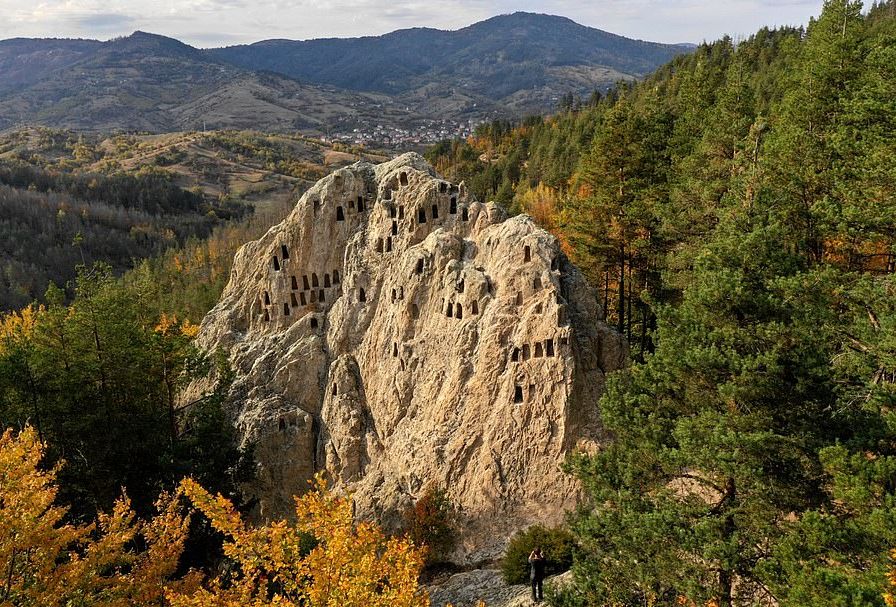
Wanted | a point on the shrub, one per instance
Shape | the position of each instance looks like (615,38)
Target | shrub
(430,523)
(556,543)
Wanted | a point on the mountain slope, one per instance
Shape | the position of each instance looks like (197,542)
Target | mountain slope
(498,56)
(25,61)
(401,82)
(153,83)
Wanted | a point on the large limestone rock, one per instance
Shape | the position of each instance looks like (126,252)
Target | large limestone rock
(394,332)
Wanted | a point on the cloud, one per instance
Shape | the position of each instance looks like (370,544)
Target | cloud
(105,22)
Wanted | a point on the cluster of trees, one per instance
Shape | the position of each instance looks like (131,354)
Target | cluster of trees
(737,212)
(149,191)
(53,221)
(100,381)
(280,154)
(323,559)
(191,277)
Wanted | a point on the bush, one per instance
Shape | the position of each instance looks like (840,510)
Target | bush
(430,523)
(556,543)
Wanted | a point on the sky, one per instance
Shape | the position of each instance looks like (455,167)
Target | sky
(209,23)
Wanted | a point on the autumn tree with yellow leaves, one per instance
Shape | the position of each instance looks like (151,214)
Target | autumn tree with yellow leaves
(48,562)
(94,387)
(324,559)
(890,594)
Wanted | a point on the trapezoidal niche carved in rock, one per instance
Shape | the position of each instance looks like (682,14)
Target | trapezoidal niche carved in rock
(395,332)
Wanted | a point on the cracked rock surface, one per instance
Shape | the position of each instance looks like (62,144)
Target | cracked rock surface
(394,332)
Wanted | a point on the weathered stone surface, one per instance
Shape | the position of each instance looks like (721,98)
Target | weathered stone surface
(394,332)
(467,589)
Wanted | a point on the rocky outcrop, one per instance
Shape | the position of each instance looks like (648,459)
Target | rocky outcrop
(394,332)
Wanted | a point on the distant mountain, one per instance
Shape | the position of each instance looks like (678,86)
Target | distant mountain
(496,57)
(24,61)
(152,83)
(506,66)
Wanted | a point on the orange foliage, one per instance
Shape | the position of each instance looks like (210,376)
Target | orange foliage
(168,326)
(542,204)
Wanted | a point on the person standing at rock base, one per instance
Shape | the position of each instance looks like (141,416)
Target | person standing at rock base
(536,574)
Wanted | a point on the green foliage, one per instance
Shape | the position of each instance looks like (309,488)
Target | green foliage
(100,380)
(116,218)
(556,543)
(736,212)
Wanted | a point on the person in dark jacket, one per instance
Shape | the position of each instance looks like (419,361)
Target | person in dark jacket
(536,574)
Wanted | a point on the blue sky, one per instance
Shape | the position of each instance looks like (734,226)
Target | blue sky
(220,22)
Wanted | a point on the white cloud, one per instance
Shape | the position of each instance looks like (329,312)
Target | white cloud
(214,22)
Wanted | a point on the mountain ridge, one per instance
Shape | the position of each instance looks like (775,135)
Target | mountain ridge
(545,40)
(407,80)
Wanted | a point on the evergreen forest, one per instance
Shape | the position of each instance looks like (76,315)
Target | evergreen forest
(736,212)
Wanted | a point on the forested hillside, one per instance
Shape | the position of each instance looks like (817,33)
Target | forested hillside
(55,221)
(520,60)
(414,83)
(69,199)
(736,213)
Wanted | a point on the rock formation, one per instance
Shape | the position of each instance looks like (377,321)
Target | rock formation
(394,332)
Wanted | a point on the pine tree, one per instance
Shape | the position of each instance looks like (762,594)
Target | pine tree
(714,436)
(803,150)
(101,379)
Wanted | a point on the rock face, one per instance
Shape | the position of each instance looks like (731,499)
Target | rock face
(394,333)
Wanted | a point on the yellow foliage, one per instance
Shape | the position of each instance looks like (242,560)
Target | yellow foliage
(47,562)
(350,565)
(542,204)
(166,322)
(889,596)
(168,326)
(683,601)
(17,326)
(188,329)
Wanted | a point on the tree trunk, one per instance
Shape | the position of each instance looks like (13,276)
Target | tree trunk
(620,322)
(606,294)
(643,309)
(726,575)
(628,329)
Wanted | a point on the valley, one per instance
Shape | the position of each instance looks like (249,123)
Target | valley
(233,180)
